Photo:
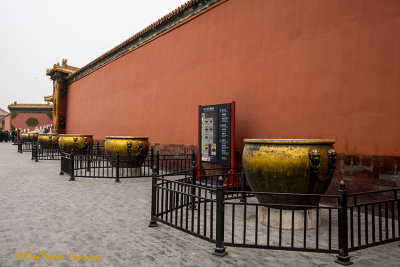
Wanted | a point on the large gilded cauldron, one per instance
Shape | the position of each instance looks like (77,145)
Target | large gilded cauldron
(132,149)
(29,136)
(79,142)
(24,137)
(48,140)
(302,166)
(33,136)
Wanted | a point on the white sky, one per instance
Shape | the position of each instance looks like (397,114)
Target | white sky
(35,34)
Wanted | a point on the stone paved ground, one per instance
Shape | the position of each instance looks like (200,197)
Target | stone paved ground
(42,211)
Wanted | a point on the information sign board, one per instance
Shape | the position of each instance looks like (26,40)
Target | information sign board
(216,134)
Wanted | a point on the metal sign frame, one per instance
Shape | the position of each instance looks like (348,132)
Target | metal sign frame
(214,127)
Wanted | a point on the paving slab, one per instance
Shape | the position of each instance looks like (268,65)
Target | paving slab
(41,211)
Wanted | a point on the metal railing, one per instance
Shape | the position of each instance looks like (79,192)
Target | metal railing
(373,218)
(40,152)
(96,164)
(24,147)
(355,222)
(53,151)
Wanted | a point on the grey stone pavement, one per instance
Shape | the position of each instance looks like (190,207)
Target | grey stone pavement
(41,211)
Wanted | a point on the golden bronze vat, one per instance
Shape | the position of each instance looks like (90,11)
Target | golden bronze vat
(29,136)
(48,140)
(79,142)
(33,136)
(24,137)
(132,149)
(303,166)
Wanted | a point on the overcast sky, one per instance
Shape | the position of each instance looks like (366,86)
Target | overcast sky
(35,34)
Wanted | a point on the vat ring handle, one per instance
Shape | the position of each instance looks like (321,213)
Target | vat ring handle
(315,160)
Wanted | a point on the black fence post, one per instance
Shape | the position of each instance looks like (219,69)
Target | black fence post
(33,152)
(219,249)
(193,158)
(243,187)
(398,208)
(152,158)
(194,178)
(62,161)
(117,168)
(71,169)
(20,147)
(158,161)
(88,158)
(343,258)
(154,175)
(36,152)
(52,151)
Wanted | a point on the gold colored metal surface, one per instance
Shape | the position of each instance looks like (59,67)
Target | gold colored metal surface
(33,136)
(24,137)
(29,136)
(136,147)
(302,166)
(78,142)
(48,140)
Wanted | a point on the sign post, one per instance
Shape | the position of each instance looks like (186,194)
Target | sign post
(216,139)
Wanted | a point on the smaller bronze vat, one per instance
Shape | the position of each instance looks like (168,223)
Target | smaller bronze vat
(79,142)
(33,136)
(48,140)
(132,149)
(29,136)
(24,137)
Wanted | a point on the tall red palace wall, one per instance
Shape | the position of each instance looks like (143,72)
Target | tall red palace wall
(296,69)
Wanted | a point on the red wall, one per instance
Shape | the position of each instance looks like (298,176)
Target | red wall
(20,120)
(296,69)
(7,123)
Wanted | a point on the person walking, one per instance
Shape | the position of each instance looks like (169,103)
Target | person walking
(13,136)
(8,136)
(1,135)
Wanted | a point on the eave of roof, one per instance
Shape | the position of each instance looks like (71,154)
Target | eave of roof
(3,112)
(174,19)
(30,106)
(64,68)
(48,98)
(2,117)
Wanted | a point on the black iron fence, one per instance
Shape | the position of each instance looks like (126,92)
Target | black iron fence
(373,218)
(53,151)
(96,164)
(227,216)
(24,146)
(46,152)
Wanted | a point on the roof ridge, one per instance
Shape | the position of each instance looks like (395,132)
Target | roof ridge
(28,105)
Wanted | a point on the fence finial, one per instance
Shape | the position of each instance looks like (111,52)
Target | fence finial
(341,185)
(220,181)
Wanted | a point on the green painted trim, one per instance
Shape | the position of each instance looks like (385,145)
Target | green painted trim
(50,114)
(32,122)
(30,110)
